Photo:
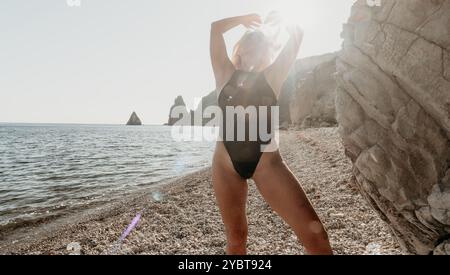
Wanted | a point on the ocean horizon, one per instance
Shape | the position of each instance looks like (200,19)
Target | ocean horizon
(72,123)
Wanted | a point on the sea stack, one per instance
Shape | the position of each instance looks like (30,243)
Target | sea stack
(134,120)
(178,103)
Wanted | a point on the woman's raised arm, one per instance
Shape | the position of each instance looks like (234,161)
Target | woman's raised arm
(221,63)
(278,72)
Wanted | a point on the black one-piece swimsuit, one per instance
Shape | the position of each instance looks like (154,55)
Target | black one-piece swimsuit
(246,89)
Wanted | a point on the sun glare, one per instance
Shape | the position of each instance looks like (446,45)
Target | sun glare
(297,12)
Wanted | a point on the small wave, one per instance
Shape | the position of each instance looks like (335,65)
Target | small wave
(22,162)
(86,176)
(16,223)
(163,155)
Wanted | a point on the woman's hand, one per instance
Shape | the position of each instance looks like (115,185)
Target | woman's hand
(222,66)
(251,21)
(295,31)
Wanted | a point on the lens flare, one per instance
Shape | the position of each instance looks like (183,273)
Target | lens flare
(297,12)
(130,227)
(157,196)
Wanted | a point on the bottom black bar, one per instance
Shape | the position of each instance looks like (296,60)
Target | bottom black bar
(218,264)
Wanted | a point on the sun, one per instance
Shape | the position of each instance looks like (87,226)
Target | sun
(297,12)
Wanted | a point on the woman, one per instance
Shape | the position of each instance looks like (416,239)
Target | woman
(250,76)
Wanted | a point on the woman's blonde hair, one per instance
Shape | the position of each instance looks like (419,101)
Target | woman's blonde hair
(256,38)
(266,38)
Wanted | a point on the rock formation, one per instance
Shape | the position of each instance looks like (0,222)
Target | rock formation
(179,102)
(312,101)
(207,101)
(134,120)
(189,116)
(393,107)
(308,95)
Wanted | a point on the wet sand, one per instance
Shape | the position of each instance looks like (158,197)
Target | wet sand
(181,216)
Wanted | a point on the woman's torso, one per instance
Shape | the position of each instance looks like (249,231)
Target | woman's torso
(250,93)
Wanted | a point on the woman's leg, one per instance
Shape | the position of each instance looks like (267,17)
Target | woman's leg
(283,193)
(231,194)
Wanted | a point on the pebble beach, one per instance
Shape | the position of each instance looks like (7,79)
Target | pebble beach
(180,216)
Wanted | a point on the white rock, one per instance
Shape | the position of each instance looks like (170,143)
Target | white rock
(74,248)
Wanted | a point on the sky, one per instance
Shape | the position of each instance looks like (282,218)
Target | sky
(99,61)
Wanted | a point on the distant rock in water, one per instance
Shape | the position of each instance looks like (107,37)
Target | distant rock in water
(134,120)
(183,116)
(178,111)
(207,101)
(393,108)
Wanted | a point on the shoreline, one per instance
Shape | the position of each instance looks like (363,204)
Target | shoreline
(45,228)
(181,216)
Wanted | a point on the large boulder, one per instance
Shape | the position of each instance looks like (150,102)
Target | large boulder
(393,108)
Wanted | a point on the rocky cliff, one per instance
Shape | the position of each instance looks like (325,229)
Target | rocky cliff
(208,100)
(393,107)
(312,100)
(134,120)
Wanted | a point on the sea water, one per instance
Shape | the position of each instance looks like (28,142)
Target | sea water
(47,171)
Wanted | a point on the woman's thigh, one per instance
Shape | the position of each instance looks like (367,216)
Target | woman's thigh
(230,190)
(283,192)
